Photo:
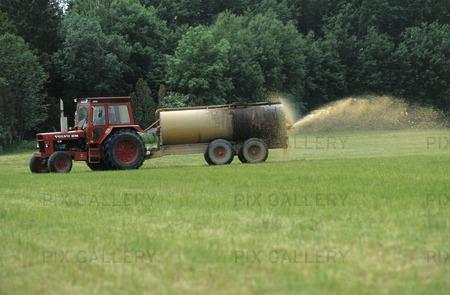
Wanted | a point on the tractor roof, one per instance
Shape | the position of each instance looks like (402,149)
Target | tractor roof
(103,99)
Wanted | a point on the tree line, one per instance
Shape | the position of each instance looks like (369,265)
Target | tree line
(173,53)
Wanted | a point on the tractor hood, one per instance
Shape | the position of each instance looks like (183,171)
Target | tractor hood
(74,135)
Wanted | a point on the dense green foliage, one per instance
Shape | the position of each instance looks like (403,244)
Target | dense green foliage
(90,61)
(265,56)
(199,65)
(206,52)
(424,55)
(144,106)
(21,83)
(36,21)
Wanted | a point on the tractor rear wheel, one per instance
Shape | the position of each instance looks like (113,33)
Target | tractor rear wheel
(124,149)
(38,165)
(220,152)
(254,150)
(60,162)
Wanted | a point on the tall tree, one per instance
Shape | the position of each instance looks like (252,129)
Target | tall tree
(37,22)
(147,36)
(310,15)
(325,73)
(281,8)
(144,32)
(90,61)
(266,55)
(92,8)
(279,53)
(144,106)
(425,65)
(244,69)
(21,89)
(6,25)
(194,12)
(198,67)
(394,16)
(376,65)
(339,35)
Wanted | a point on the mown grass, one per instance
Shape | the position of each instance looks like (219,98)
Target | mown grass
(371,215)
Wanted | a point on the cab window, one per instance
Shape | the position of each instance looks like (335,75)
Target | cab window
(118,114)
(99,116)
(81,116)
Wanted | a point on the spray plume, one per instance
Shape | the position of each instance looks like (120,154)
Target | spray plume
(370,113)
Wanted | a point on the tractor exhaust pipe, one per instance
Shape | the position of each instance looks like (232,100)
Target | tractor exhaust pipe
(62,119)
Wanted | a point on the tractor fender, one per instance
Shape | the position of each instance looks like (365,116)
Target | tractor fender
(110,130)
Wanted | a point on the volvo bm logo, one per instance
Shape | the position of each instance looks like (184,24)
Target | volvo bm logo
(60,136)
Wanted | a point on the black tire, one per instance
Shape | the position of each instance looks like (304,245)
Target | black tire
(38,165)
(207,159)
(124,149)
(60,162)
(254,150)
(220,152)
(241,156)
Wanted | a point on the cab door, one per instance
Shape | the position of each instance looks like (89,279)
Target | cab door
(98,122)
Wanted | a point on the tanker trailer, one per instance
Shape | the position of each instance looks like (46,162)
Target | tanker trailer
(220,132)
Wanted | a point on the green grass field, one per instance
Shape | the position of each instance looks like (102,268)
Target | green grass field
(348,213)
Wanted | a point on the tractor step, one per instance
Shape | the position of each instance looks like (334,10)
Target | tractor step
(94,155)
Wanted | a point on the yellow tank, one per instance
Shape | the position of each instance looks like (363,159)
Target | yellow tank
(195,126)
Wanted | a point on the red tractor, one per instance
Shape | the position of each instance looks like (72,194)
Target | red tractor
(105,137)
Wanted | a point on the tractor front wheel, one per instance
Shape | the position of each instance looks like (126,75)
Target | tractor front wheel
(60,162)
(38,165)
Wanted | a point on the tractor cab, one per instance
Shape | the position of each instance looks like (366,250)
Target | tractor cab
(98,116)
(98,121)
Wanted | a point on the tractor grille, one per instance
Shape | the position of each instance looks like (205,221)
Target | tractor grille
(41,147)
(68,145)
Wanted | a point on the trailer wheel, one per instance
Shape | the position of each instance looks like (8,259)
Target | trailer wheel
(38,165)
(60,162)
(124,149)
(220,152)
(254,150)
(207,159)
(241,156)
